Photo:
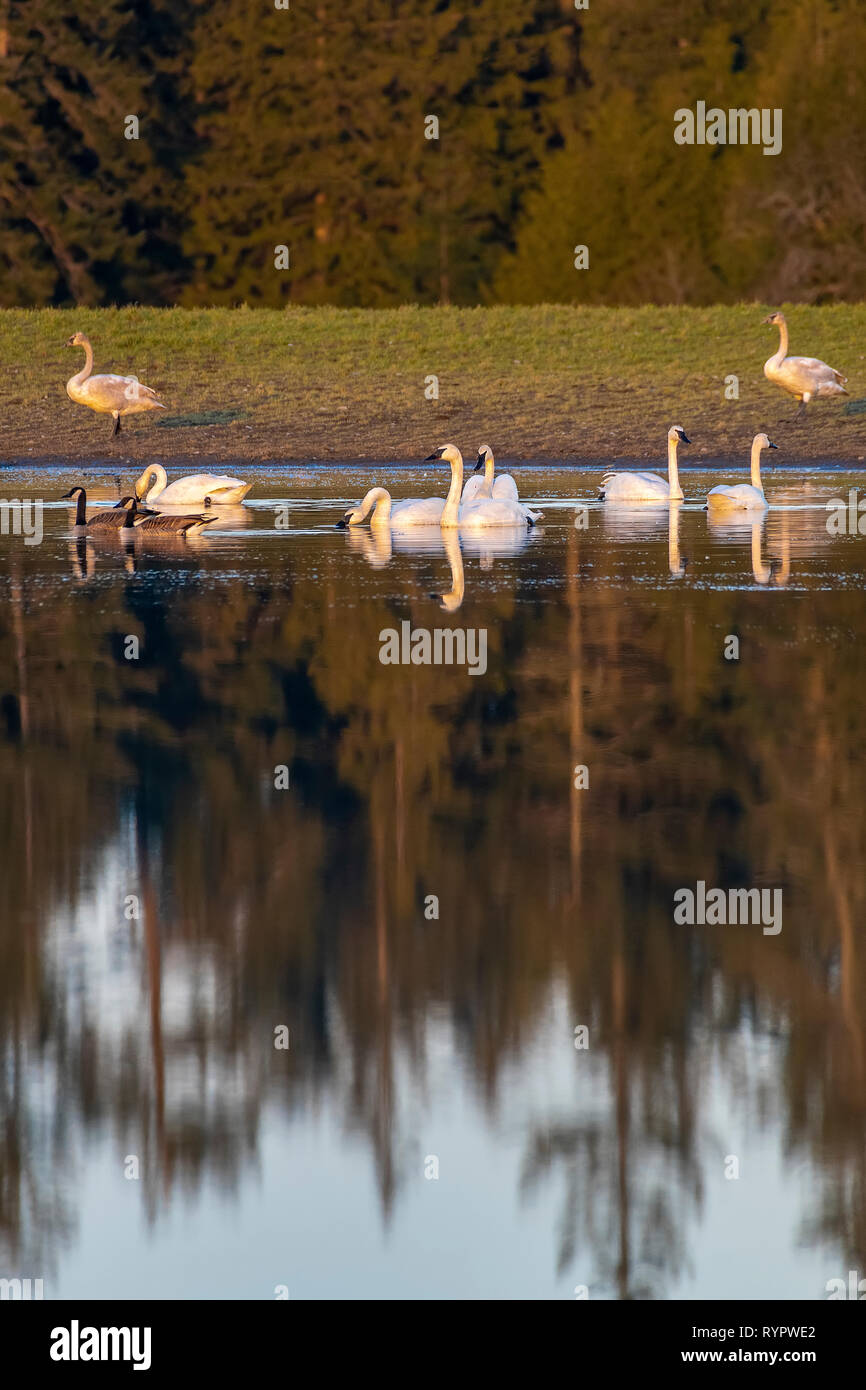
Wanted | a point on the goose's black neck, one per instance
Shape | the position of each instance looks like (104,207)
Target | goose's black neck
(81,509)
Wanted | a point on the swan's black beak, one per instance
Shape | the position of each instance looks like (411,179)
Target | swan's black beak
(70,342)
(772,446)
(684,437)
(479,463)
(432,458)
(342,524)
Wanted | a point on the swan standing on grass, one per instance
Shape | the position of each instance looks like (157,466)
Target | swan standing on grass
(483,511)
(414,511)
(648,487)
(108,394)
(803,377)
(503,486)
(744,497)
(196,488)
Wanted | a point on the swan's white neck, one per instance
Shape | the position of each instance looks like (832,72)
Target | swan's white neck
(673,475)
(379,498)
(81,377)
(489,467)
(160,484)
(782,351)
(451,510)
(756,465)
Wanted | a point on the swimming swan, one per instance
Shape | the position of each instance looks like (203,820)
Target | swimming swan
(192,490)
(100,521)
(420,511)
(502,486)
(803,377)
(108,394)
(483,511)
(744,496)
(647,487)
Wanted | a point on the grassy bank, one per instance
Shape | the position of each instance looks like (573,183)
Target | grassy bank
(543,382)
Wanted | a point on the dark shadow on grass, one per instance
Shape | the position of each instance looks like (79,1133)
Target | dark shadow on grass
(204,417)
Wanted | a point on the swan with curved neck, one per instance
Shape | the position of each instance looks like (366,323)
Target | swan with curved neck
(108,394)
(479,512)
(502,485)
(415,511)
(195,488)
(803,377)
(648,487)
(744,496)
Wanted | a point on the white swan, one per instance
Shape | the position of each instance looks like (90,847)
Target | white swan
(414,511)
(648,487)
(108,394)
(196,488)
(803,377)
(502,486)
(748,497)
(483,511)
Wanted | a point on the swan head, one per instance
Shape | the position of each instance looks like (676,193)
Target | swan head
(78,340)
(449,453)
(484,453)
(762,442)
(142,484)
(775,318)
(677,435)
(353,517)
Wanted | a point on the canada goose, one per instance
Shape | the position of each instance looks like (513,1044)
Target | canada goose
(747,497)
(161,525)
(413,511)
(502,485)
(803,377)
(482,512)
(648,487)
(193,490)
(113,519)
(108,394)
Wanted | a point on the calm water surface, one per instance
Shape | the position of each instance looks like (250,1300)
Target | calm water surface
(167,907)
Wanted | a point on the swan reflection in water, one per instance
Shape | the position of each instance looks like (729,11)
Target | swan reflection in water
(378,547)
(775,571)
(648,524)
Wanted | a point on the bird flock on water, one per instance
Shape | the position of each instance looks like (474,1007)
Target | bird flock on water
(486,499)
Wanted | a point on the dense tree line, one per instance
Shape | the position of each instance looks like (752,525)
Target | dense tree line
(430,152)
